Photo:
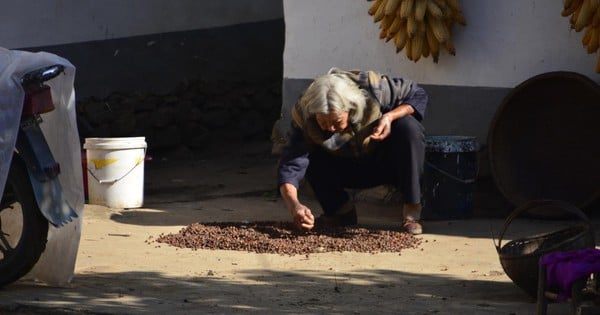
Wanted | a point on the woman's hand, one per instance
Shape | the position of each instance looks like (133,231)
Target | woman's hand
(303,217)
(383,129)
(301,214)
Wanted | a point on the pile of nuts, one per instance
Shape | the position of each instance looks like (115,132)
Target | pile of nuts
(282,238)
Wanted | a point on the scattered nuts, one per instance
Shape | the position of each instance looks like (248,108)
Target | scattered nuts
(283,238)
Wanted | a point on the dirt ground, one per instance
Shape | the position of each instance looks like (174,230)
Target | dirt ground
(120,270)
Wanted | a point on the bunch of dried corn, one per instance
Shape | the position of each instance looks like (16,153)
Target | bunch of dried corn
(585,14)
(420,27)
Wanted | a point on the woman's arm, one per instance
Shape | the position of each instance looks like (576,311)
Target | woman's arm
(301,214)
(384,128)
(292,169)
(406,92)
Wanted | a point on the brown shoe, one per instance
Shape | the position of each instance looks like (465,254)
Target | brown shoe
(413,227)
(338,220)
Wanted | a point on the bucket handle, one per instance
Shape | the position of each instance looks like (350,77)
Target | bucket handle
(538,203)
(464,181)
(112,181)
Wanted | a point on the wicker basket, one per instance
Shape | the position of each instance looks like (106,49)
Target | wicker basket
(520,257)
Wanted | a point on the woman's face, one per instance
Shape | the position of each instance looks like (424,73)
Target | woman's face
(333,122)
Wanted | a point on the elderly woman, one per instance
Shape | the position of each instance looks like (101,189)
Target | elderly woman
(354,129)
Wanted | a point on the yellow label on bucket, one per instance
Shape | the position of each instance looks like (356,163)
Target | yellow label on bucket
(100,163)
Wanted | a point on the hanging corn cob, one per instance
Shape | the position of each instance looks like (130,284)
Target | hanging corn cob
(419,27)
(585,14)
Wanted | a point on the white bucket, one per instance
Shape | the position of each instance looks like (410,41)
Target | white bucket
(115,169)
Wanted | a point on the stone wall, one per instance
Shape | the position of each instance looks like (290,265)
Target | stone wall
(186,91)
(196,114)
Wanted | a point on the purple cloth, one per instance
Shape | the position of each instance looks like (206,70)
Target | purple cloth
(564,268)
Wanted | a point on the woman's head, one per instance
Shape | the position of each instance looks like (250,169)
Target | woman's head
(334,100)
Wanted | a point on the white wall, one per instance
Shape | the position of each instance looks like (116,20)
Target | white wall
(31,23)
(504,43)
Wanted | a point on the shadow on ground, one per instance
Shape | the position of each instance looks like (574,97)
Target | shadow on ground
(264,291)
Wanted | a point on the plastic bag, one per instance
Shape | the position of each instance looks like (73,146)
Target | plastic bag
(57,264)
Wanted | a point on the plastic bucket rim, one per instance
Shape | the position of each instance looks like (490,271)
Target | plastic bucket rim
(457,143)
(115,143)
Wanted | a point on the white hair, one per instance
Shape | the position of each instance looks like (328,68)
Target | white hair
(334,93)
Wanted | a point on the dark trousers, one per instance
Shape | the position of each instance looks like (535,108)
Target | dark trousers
(397,161)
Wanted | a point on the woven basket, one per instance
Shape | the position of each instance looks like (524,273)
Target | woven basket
(520,257)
